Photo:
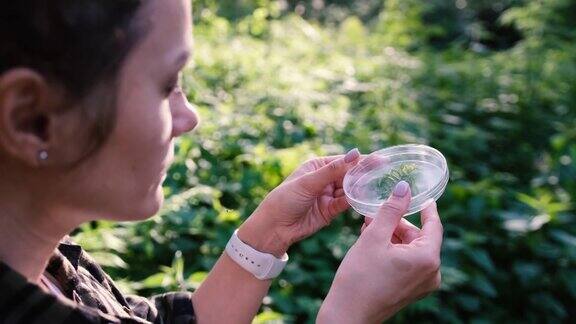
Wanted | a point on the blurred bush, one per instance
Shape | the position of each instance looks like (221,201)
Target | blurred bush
(492,84)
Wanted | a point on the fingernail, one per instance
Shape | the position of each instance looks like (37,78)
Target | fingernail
(352,155)
(401,189)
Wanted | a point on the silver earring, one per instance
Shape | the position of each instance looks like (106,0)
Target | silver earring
(43,155)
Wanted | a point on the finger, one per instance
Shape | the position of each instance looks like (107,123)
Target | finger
(432,226)
(396,240)
(312,165)
(314,182)
(368,220)
(339,183)
(329,158)
(336,206)
(324,160)
(406,231)
(366,163)
(338,193)
(389,215)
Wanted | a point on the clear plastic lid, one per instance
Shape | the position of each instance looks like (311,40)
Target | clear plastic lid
(370,183)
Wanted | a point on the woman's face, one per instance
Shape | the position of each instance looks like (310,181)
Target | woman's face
(122,180)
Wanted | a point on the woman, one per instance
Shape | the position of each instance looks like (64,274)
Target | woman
(89,108)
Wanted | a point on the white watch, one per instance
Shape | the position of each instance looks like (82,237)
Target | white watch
(262,265)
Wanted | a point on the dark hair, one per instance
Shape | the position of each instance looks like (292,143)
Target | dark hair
(76,44)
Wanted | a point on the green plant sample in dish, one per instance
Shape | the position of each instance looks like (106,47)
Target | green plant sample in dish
(404,172)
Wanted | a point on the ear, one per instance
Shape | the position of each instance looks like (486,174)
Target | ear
(25,115)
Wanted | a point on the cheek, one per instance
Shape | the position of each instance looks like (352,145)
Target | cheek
(123,179)
(144,127)
(146,121)
(143,147)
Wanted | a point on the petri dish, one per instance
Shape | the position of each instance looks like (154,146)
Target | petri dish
(369,184)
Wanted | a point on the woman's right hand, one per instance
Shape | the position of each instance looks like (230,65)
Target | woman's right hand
(392,264)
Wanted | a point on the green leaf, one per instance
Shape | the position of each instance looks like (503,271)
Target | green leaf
(484,286)
(268,317)
(156,280)
(482,259)
(528,273)
(453,277)
(228,216)
(108,259)
(546,302)
(469,302)
(197,278)
(564,237)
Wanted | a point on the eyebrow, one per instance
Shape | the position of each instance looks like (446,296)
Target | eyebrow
(182,58)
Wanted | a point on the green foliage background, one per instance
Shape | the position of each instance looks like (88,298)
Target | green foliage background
(492,84)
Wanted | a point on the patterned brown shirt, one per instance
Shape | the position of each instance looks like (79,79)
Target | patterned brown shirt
(92,296)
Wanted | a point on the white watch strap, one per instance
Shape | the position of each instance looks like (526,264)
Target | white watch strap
(262,265)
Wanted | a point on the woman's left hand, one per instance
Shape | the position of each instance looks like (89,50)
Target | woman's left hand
(308,200)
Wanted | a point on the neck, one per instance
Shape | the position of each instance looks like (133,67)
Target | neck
(29,233)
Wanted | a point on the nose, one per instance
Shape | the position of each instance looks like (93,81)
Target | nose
(184,115)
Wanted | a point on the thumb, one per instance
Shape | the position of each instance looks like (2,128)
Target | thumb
(315,181)
(392,211)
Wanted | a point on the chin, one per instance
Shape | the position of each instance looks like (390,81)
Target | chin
(147,208)
(152,205)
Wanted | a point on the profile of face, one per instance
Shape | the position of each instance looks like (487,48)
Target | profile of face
(122,180)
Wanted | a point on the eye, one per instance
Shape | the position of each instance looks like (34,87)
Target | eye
(174,83)
(170,87)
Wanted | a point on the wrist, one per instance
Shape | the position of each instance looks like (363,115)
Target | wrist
(342,307)
(262,237)
(335,313)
